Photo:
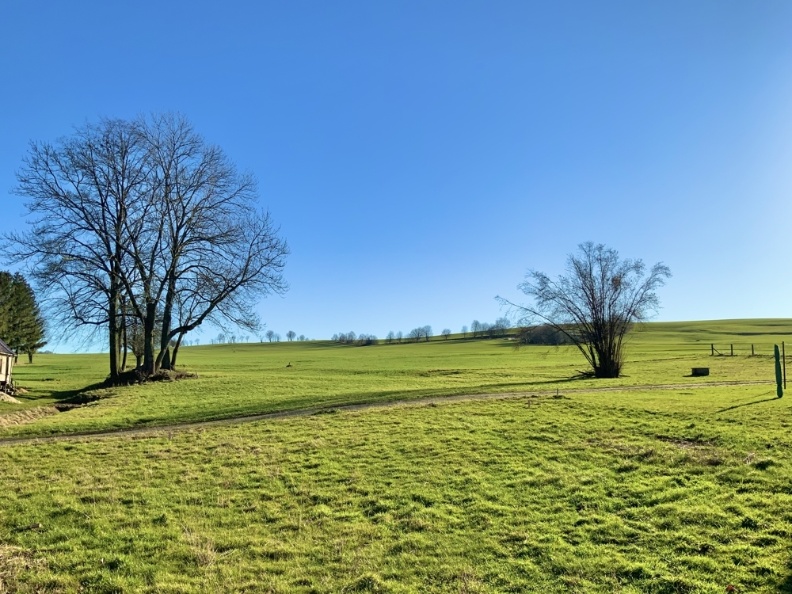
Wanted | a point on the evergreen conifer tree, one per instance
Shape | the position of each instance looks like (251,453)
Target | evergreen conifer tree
(21,321)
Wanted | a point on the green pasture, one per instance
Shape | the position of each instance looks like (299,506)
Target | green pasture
(655,482)
(244,379)
(684,491)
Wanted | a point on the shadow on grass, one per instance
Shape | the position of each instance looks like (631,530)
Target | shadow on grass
(786,585)
(728,408)
(75,396)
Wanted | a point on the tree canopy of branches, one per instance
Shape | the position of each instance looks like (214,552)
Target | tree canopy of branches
(143,220)
(595,303)
(21,321)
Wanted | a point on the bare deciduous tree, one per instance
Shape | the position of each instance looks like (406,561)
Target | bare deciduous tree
(146,218)
(427,332)
(595,303)
(212,247)
(81,191)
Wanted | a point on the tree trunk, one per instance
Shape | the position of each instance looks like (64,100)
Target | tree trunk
(112,330)
(176,351)
(164,358)
(148,338)
(124,338)
(124,354)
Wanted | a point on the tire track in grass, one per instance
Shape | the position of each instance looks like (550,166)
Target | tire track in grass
(159,430)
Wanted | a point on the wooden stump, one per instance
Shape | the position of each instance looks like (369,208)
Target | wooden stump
(699,371)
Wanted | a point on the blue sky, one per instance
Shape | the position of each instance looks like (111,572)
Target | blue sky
(420,157)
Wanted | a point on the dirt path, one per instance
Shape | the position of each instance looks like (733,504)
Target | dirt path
(305,412)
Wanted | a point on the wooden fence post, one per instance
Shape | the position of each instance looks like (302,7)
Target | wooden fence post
(712,351)
(752,350)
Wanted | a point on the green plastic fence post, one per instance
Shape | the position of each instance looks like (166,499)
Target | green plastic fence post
(779,379)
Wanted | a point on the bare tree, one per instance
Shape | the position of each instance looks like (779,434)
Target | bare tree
(596,303)
(500,326)
(399,335)
(146,218)
(464,331)
(427,332)
(210,245)
(475,328)
(291,335)
(83,191)
(270,335)
(446,333)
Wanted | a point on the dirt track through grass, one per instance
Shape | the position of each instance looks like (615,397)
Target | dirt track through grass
(305,412)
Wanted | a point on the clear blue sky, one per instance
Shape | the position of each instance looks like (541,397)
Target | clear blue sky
(421,156)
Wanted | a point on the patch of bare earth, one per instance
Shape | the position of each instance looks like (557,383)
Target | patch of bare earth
(28,415)
(13,561)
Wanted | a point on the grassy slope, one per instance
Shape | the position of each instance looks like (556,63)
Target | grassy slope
(629,493)
(253,378)
(679,490)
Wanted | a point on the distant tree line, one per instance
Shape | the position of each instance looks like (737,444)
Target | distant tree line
(355,339)
(291,336)
(485,330)
(21,321)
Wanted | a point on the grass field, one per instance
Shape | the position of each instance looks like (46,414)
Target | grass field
(567,487)
(245,379)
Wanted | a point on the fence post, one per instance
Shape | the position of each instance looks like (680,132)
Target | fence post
(779,388)
(752,350)
(712,351)
(732,350)
(783,353)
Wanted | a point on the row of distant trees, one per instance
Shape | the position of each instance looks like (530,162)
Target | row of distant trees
(423,333)
(540,334)
(484,329)
(291,336)
(21,321)
(354,339)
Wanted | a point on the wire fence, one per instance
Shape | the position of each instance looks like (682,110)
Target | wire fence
(752,350)
(745,349)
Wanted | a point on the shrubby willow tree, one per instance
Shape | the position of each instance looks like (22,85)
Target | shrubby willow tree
(143,225)
(596,303)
